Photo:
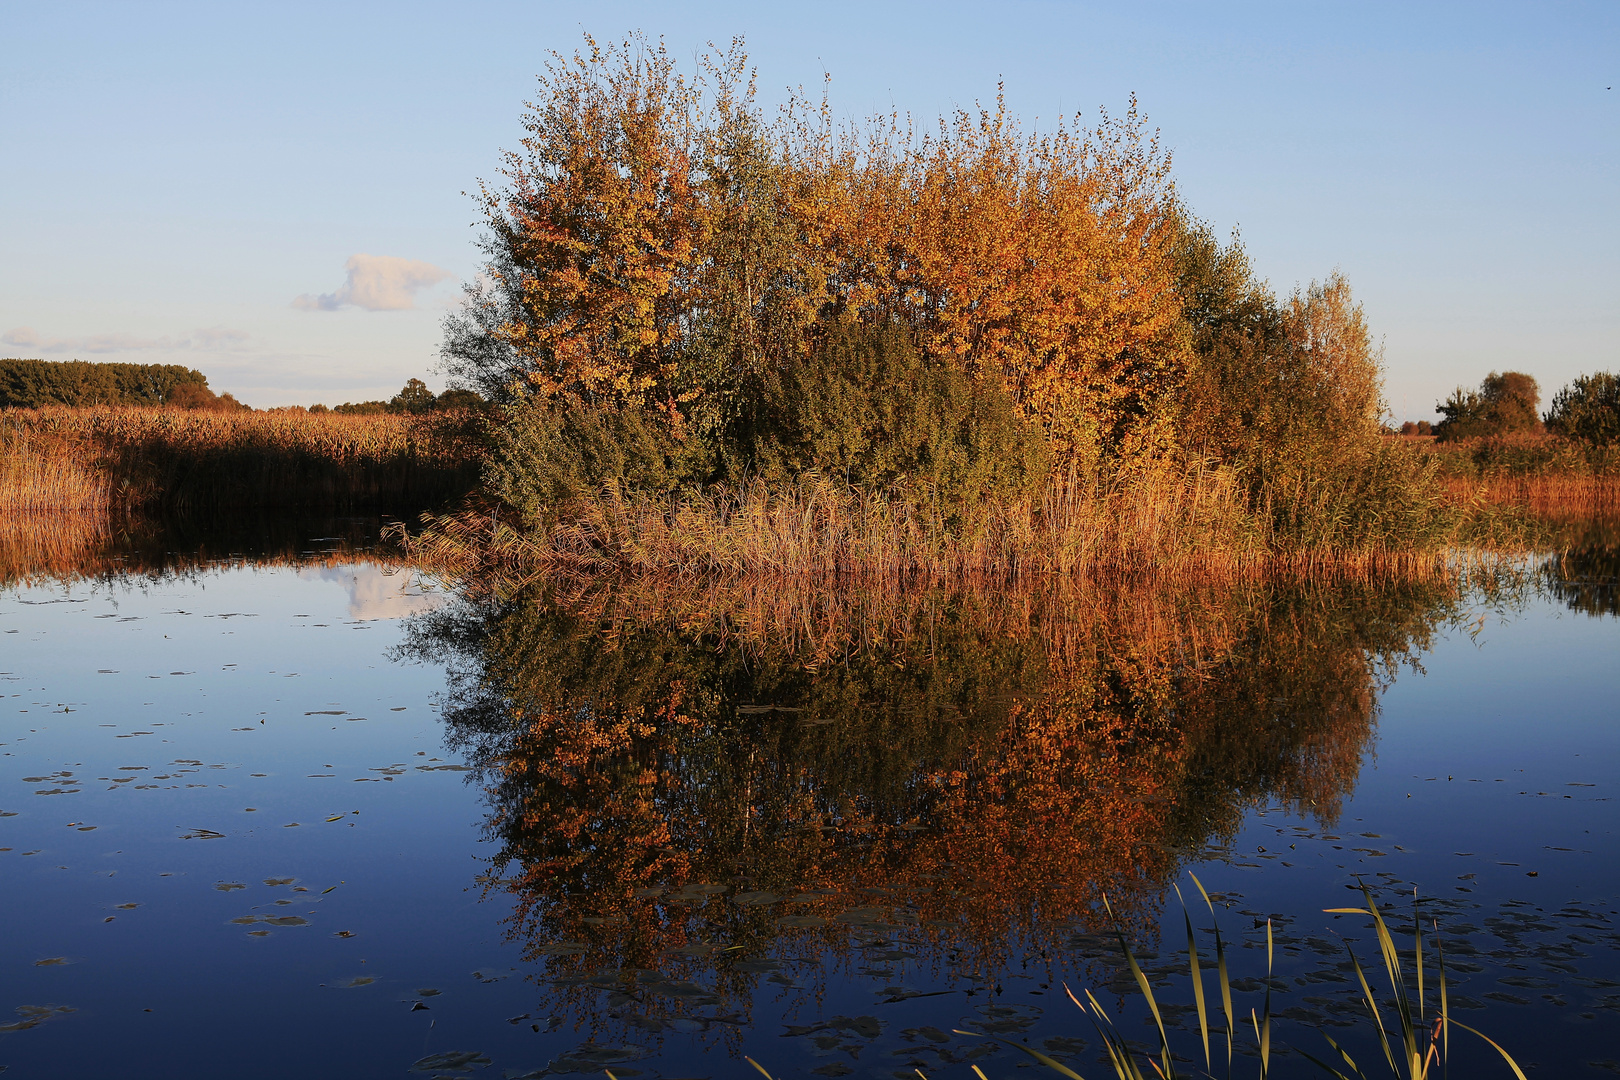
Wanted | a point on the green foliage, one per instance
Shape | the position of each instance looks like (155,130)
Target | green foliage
(414,398)
(549,452)
(1588,409)
(30,384)
(362,408)
(868,409)
(458,399)
(864,409)
(1505,404)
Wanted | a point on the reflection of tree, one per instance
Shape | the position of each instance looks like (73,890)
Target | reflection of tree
(1586,579)
(980,768)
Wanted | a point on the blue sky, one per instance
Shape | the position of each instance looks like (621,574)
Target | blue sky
(203,183)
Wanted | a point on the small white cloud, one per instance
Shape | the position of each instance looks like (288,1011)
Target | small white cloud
(377,283)
(208,339)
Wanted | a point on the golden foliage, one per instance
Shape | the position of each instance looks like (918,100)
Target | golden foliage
(656,243)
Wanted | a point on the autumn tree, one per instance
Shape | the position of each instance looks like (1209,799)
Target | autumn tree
(1504,404)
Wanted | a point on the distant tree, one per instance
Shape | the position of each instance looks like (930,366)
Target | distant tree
(1505,404)
(1588,408)
(319,408)
(361,408)
(197,396)
(458,399)
(414,398)
(1421,427)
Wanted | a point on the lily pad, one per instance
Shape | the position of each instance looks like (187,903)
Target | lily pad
(452,1061)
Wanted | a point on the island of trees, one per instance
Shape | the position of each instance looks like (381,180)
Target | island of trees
(705,339)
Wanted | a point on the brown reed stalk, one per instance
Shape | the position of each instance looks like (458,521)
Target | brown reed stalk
(1159,522)
(128,458)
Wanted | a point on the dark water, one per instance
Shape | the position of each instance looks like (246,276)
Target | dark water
(287,814)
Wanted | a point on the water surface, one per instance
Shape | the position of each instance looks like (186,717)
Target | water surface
(284,812)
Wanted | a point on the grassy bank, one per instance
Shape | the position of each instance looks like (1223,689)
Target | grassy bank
(124,459)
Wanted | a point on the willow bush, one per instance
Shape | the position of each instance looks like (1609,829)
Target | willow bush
(683,297)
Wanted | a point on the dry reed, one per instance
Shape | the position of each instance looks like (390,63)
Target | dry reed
(1154,522)
(130,458)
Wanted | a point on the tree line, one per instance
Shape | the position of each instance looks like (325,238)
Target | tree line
(32,384)
(1587,409)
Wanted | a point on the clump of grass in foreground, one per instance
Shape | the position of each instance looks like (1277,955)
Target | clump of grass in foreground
(1416,1042)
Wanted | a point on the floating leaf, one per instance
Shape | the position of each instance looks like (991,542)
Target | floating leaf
(453,1060)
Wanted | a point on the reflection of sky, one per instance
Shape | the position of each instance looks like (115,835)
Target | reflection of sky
(375,593)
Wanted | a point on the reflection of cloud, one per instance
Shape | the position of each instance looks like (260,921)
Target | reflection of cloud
(206,338)
(377,283)
(374,594)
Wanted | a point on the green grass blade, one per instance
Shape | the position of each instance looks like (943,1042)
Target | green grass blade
(1119,1052)
(1220,972)
(1348,1060)
(1197,978)
(1397,985)
(1265,1031)
(1045,1059)
(1372,1007)
(1417,926)
(1320,1064)
(1147,992)
(1514,1065)
(1445,1005)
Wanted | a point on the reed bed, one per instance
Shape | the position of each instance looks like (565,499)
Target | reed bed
(113,459)
(1195,523)
(1540,472)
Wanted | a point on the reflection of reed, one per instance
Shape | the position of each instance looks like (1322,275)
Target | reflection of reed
(1586,579)
(976,768)
(54,545)
(65,547)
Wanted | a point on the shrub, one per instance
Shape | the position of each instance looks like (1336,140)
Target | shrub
(1589,409)
(868,409)
(548,453)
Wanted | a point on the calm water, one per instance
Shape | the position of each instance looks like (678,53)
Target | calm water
(292,815)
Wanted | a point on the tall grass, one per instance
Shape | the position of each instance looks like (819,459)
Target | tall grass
(1414,1037)
(1544,472)
(132,458)
(1157,519)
